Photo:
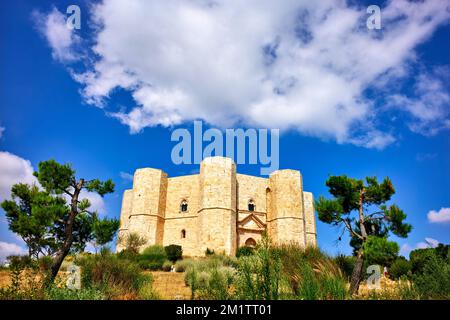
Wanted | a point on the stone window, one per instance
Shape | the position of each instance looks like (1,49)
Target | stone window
(184,206)
(183,234)
(251,205)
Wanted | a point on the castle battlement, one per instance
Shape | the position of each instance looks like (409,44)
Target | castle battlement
(217,209)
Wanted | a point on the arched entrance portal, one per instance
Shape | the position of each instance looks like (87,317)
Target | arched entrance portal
(250,242)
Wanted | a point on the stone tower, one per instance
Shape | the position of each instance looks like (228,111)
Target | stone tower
(217,213)
(145,205)
(285,217)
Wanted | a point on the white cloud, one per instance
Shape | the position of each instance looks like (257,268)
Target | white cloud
(9,249)
(13,169)
(61,39)
(429,104)
(429,243)
(301,65)
(126,176)
(441,216)
(405,250)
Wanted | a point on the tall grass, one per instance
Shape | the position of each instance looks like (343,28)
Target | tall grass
(117,278)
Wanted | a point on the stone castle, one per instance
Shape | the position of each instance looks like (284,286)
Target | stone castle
(217,209)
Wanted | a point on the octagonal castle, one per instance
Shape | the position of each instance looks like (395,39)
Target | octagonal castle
(217,209)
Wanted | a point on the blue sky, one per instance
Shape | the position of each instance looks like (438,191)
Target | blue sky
(107,97)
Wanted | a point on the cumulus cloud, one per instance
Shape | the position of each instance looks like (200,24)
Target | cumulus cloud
(441,216)
(429,102)
(301,65)
(61,39)
(429,243)
(13,169)
(126,176)
(9,249)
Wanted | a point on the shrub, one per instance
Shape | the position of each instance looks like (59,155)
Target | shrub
(27,281)
(208,280)
(167,265)
(56,293)
(133,242)
(153,257)
(311,274)
(173,252)
(378,250)
(259,275)
(45,263)
(433,282)
(400,267)
(20,262)
(181,265)
(346,264)
(115,277)
(244,252)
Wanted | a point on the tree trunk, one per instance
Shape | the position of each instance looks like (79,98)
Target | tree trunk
(68,233)
(58,260)
(357,273)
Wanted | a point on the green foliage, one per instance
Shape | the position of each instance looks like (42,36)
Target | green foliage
(432,279)
(62,293)
(419,257)
(347,194)
(54,177)
(209,278)
(360,207)
(33,214)
(104,230)
(182,265)
(378,250)
(345,264)
(26,282)
(112,275)
(51,224)
(399,268)
(311,274)
(133,243)
(153,257)
(173,252)
(20,262)
(259,275)
(167,265)
(244,251)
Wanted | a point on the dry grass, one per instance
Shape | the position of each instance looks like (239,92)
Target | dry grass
(5,279)
(386,286)
(170,285)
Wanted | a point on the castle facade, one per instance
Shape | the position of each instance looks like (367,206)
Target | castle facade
(217,209)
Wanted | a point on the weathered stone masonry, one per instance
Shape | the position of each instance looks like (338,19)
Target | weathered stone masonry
(217,209)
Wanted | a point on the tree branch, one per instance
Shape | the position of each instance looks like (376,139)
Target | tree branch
(350,229)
